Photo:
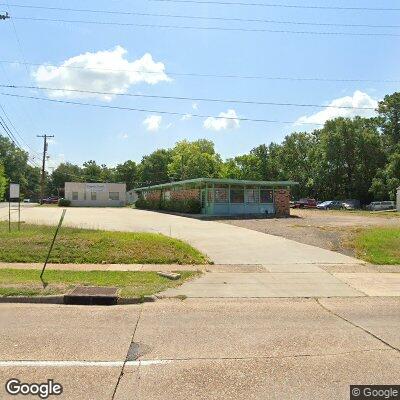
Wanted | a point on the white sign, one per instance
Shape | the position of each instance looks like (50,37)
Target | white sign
(95,187)
(14,190)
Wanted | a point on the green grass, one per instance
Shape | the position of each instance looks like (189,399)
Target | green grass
(26,282)
(84,246)
(378,245)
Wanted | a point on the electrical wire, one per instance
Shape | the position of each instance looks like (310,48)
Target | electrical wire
(199,17)
(230,3)
(211,28)
(155,111)
(202,99)
(207,75)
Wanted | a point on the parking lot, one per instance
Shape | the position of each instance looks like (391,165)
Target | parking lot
(329,230)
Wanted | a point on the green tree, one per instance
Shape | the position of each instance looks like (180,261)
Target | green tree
(348,154)
(3,182)
(389,118)
(65,172)
(196,159)
(387,179)
(126,172)
(247,166)
(153,168)
(92,172)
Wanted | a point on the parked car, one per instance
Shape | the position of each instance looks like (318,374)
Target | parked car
(330,205)
(50,200)
(27,200)
(351,204)
(305,203)
(381,205)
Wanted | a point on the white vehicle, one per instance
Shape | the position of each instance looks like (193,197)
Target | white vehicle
(381,205)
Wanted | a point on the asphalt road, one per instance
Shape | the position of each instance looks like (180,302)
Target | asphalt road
(204,349)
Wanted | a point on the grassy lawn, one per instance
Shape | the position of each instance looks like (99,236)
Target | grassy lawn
(26,282)
(84,246)
(378,245)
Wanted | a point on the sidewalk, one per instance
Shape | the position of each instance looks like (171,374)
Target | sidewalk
(263,281)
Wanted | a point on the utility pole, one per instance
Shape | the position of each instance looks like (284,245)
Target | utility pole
(4,16)
(42,180)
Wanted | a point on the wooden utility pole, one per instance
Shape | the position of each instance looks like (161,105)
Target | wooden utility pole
(42,180)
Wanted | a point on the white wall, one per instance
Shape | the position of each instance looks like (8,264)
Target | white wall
(102,193)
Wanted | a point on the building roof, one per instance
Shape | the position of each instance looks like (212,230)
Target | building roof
(217,181)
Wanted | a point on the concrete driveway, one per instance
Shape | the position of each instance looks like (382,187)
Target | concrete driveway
(219,349)
(224,244)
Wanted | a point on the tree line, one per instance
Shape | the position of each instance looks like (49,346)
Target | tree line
(348,158)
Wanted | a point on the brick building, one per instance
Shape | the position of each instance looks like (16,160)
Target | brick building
(226,196)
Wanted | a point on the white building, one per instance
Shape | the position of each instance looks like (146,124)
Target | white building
(398,199)
(83,194)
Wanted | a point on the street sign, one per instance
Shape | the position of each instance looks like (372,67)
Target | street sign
(14,190)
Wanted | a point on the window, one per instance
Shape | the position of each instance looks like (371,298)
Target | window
(237,196)
(266,196)
(252,196)
(74,195)
(113,196)
(221,195)
(93,196)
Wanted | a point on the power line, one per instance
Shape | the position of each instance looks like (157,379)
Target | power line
(17,131)
(230,3)
(155,111)
(203,18)
(207,75)
(212,28)
(269,103)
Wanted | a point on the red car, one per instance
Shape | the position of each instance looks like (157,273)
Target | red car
(305,203)
(50,200)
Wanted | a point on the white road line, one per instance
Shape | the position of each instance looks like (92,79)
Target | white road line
(71,363)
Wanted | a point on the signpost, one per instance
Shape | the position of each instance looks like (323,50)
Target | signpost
(14,194)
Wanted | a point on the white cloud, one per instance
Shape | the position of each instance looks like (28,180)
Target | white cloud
(226,120)
(123,136)
(195,106)
(152,123)
(102,71)
(359,99)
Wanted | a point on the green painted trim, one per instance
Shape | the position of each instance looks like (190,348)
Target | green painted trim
(218,181)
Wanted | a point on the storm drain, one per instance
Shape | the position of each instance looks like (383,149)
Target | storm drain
(92,296)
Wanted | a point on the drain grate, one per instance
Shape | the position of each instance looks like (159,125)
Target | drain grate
(92,295)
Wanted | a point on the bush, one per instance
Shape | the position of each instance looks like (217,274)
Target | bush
(190,206)
(64,203)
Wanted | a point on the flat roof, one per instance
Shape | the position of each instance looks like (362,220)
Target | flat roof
(218,181)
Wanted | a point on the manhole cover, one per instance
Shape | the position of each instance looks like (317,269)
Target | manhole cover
(92,295)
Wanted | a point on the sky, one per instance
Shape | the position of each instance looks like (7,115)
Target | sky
(160,59)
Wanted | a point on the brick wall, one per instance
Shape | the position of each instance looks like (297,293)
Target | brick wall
(185,194)
(282,202)
(153,195)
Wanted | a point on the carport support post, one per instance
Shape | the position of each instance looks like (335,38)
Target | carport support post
(206,199)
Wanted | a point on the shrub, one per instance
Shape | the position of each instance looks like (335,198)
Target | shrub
(64,203)
(190,206)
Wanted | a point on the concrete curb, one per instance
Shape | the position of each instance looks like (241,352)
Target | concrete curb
(33,299)
(60,300)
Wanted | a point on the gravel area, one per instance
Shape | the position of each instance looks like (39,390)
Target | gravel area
(331,230)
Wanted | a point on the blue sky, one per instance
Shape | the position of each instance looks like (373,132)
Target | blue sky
(113,136)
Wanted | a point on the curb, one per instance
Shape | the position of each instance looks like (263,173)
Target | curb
(33,299)
(60,300)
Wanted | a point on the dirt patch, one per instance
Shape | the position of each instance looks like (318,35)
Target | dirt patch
(331,230)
